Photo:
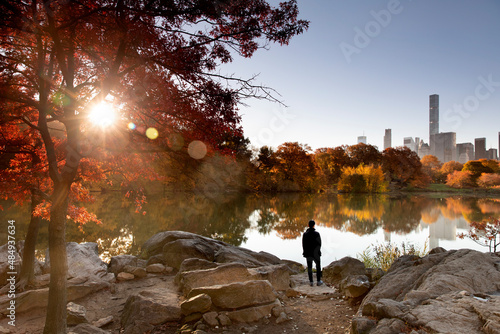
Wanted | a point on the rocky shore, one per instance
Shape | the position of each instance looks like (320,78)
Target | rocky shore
(186,283)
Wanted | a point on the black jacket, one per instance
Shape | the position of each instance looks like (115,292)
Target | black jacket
(311,243)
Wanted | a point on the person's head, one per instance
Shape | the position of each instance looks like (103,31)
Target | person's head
(312,223)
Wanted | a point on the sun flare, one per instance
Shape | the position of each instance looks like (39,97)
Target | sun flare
(103,115)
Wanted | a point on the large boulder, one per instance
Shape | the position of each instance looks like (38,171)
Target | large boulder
(238,295)
(176,246)
(339,270)
(445,292)
(149,308)
(224,274)
(83,261)
(154,245)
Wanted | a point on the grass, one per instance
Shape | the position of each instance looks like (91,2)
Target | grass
(383,255)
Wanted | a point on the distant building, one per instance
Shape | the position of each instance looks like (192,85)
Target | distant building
(409,142)
(445,148)
(465,152)
(388,138)
(433,118)
(362,140)
(492,154)
(480,147)
(424,150)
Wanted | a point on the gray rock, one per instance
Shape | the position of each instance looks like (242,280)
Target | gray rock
(117,263)
(278,275)
(32,299)
(238,295)
(224,274)
(252,314)
(444,292)
(224,320)
(155,268)
(76,314)
(125,276)
(355,286)
(87,329)
(83,261)
(283,317)
(197,304)
(149,308)
(103,321)
(360,325)
(339,270)
(211,319)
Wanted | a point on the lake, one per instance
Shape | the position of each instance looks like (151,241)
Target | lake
(348,224)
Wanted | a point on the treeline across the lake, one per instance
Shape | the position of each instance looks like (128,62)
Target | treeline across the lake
(357,168)
(229,217)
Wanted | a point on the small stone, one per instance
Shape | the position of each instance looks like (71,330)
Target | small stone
(224,319)
(276,311)
(155,268)
(139,272)
(76,314)
(282,318)
(125,276)
(169,270)
(211,319)
(198,304)
(103,322)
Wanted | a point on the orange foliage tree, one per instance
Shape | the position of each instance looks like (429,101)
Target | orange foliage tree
(154,61)
(431,166)
(460,179)
(402,165)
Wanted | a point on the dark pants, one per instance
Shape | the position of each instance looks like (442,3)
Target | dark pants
(317,261)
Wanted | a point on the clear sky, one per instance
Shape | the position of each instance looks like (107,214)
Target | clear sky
(368,65)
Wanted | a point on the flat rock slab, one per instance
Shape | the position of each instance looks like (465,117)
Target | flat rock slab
(302,286)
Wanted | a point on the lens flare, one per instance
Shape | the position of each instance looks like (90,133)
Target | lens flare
(103,114)
(152,133)
(131,126)
(197,149)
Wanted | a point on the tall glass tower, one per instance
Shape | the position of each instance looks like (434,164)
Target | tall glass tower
(433,114)
(433,121)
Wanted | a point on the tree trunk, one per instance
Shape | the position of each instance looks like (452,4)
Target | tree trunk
(55,321)
(28,266)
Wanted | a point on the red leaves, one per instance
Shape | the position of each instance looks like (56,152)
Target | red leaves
(485,233)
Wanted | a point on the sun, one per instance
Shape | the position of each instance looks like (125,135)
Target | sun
(103,114)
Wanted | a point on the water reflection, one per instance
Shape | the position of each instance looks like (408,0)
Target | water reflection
(231,218)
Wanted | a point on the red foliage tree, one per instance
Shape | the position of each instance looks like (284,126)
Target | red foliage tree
(155,61)
(485,233)
(401,165)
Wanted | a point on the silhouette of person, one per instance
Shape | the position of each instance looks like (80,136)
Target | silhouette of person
(311,246)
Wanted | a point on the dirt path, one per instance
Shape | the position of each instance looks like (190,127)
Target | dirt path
(311,310)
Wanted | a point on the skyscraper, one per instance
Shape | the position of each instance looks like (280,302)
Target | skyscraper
(480,148)
(362,140)
(388,138)
(445,146)
(433,114)
(433,120)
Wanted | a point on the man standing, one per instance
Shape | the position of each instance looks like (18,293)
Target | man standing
(311,246)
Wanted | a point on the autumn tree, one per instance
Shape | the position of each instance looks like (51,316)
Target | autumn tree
(431,166)
(296,166)
(330,162)
(363,154)
(448,168)
(476,167)
(461,179)
(362,179)
(401,165)
(154,62)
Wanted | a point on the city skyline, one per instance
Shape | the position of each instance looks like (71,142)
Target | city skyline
(363,67)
